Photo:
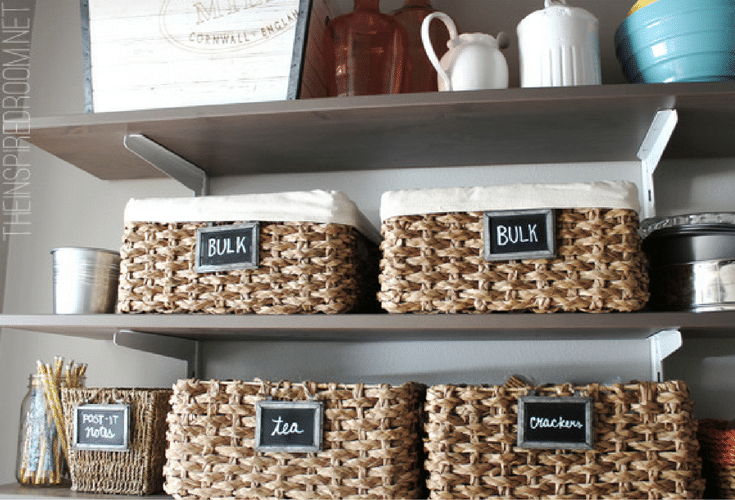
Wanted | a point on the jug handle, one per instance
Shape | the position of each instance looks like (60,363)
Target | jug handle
(429,48)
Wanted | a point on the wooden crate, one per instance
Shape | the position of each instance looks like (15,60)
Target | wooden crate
(143,54)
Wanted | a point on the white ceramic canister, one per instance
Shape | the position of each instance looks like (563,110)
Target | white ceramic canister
(559,46)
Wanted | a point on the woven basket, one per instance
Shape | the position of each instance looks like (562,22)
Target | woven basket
(138,471)
(645,445)
(718,457)
(434,264)
(304,268)
(370,448)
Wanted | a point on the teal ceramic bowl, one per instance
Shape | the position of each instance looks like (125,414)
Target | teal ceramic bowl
(678,41)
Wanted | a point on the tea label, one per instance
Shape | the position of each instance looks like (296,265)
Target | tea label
(288,426)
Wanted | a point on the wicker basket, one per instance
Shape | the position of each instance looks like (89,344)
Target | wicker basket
(137,471)
(304,268)
(370,448)
(645,445)
(434,264)
(717,444)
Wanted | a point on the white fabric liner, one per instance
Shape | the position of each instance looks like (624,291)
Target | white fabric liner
(323,207)
(603,194)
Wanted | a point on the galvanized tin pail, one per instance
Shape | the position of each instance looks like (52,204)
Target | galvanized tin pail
(85,280)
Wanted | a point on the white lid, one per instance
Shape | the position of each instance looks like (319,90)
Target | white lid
(324,207)
(604,194)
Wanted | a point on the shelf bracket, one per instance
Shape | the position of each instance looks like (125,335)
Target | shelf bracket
(172,347)
(650,153)
(662,345)
(168,162)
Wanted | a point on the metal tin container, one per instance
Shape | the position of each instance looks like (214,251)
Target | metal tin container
(85,280)
(691,261)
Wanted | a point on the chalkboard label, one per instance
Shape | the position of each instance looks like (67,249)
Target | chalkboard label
(102,427)
(555,423)
(225,248)
(289,426)
(520,234)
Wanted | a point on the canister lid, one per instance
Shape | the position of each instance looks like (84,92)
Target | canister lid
(687,238)
(705,222)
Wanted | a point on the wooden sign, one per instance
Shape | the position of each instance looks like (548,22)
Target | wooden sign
(104,427)
(223,248)
(520,234)
(555,423)
(145,54)
(289,426)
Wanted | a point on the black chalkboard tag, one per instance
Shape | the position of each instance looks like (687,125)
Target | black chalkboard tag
(519,234)
(560,423)
(226,248)
(288,426)
(104,427)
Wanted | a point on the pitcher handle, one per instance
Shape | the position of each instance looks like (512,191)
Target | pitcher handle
(429,48)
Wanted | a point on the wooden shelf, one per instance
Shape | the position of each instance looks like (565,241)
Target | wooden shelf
(381,327)
(511,126)
(15,491)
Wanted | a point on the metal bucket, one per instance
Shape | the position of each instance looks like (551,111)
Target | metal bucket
(85,280)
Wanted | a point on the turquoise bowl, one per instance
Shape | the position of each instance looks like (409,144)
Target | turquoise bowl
(678,41)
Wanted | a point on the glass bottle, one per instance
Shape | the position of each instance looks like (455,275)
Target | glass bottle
(365,52)
(422,75)
(41,460)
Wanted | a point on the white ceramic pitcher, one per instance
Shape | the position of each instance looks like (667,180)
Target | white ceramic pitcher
(473,62)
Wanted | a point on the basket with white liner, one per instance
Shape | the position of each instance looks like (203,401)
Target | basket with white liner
(522,247)
(274,253)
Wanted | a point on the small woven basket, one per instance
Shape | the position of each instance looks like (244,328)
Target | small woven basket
(370,448)
(434,264)
(718,457)
(304,268)
(137,471)
(645,445)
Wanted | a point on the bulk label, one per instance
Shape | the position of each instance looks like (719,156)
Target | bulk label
(519,234)
(225,248)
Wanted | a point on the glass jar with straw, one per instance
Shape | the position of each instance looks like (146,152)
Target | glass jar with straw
(41,459)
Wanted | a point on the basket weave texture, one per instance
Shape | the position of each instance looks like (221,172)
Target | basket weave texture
(718,457)
(304,268)
(434,264)
(371,443)
(138,471)
(645,445)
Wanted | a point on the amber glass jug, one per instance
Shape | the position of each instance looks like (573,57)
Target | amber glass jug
(365,52)
(421,76)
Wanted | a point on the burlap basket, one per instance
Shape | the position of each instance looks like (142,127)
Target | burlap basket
(137,471)
(371,442)
(645,445)
(434,263)
(717,444)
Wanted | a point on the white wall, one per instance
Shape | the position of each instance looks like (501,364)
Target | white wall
(71,207)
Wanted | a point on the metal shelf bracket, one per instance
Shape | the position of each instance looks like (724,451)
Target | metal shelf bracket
(168,162)
(662,345)
(172,347)
(650,152)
